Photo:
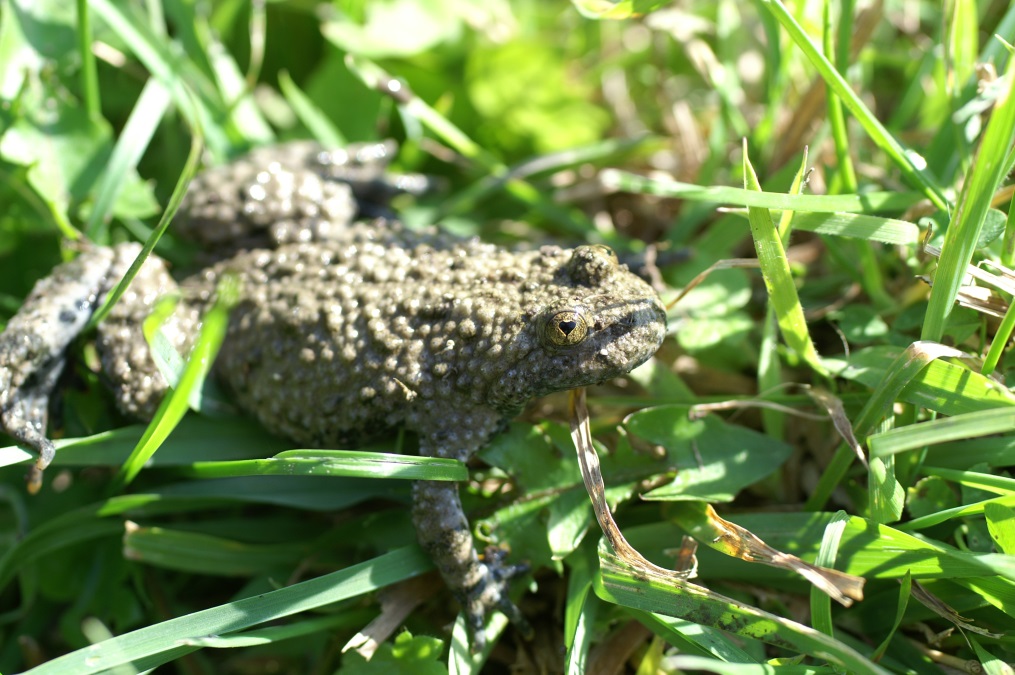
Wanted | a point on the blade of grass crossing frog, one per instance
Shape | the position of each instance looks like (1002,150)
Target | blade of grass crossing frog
(137,133)
(821,604)
(963,232)
(778,279)
(897,376)
(870,202)
(349,463)
(189,169)
(911,165)
(159,643)
(971,425)
(175,403)
(905,588)
(312,117)
(646,591)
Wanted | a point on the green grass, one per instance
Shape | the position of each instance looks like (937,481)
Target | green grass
(228,551)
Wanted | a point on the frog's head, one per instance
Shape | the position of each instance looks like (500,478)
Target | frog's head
(595,321)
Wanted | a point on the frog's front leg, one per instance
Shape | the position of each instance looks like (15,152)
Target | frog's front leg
(480,585)
(33,346)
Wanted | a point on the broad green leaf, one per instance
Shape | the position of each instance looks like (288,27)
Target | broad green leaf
(716,459)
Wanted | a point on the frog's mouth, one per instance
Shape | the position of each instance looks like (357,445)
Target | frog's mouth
(627,338)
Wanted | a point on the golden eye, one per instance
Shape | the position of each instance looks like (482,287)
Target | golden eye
(565,329)
(605,250)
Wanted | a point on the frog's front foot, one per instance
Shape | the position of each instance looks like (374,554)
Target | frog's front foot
(481,586)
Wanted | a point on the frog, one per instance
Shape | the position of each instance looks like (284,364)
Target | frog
(347,324)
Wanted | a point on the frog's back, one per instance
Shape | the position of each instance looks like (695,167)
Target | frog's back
(335,340)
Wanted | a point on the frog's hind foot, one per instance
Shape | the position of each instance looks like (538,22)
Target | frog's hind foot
(490,594)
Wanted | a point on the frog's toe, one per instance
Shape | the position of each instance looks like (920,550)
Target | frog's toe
(492,594)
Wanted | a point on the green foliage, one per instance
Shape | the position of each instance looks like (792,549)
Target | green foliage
(629,123)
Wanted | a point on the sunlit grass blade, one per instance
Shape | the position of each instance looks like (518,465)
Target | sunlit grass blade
(608,150)
(175,403)
(900,612)
(375,77)
(623,9)
(903,158)
(782,293)
(896,377)
(151,49)
(845,174)
(963,232)
(643,591)
(821,603)
(972,425)
(963,511)
(153,645)
(89,74)
(350,463)
(273,634)
(313,117)
(868,202)
(579,613)
(1000,484)
(946,388)
(179,191)
(137,133)
(693,638)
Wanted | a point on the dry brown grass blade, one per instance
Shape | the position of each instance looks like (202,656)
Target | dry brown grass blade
(737,542)
(728,264)
(942,609)
(833,404)
(397,603)
(592,475)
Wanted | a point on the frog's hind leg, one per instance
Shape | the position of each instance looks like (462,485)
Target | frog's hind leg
(293,193)
(481,585)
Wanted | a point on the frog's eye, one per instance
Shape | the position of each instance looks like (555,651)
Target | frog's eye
(565,329)
(606,251)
